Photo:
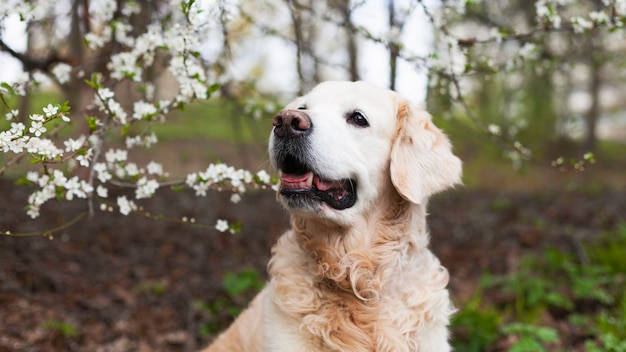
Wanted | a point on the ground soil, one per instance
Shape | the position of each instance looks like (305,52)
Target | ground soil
(130,283)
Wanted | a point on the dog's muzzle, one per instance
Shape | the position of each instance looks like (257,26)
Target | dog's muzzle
(301,185)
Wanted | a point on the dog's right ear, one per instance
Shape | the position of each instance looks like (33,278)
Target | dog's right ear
(422,162)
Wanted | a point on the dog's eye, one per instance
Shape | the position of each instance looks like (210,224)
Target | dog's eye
(302,107)
(358,119)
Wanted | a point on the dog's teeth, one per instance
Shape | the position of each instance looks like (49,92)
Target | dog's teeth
(309,180)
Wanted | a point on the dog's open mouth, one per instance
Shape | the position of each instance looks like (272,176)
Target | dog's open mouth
(299,183)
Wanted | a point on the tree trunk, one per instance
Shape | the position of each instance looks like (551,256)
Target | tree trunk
(343,6)
(593,114)
(75,89)
(296,22)
(395,27)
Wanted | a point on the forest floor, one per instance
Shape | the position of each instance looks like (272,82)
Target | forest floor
(127,283)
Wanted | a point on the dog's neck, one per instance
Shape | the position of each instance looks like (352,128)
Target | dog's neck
(357,259)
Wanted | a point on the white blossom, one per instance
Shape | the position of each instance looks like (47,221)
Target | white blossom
(581,24)
(17,128)
(125,205)
(201,189)
(32,176)
(145,141)
(37,117)
(116,155)
(263,176)
(58,178)
(146,188)
(117,111)
(62,72)
(73,189)
(84,158)
(12,114)
(42,147)
(72,145)
(38,198)
(142,110)
(122,31)
(222,225)
(131,169)
(494,129)
(105,93)
(546,12)
(43,180)
(155,168)
(130,8)
(124,65)
(496,34)
(235,198)
(102,173)
(102,192)
(102,10)
(50,110)
(528,52)
(599,17)
(95,41)
(120,171)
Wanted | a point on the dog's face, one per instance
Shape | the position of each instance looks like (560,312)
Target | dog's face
(345,144)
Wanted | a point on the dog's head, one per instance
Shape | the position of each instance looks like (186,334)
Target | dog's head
(344,145)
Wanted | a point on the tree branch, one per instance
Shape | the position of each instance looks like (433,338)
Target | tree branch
(30,63)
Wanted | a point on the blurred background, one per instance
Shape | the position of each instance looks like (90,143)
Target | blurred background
(530,92)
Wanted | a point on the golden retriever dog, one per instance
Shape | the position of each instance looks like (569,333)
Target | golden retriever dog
(354,273)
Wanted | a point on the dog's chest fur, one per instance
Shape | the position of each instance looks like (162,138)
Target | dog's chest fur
(373,295)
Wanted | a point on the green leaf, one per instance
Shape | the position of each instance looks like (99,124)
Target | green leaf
(92,122)
(64,328)
(236,284)
(212,89)
(125,129)
(527,344)
(8,87)
(94,82)
(22,181)
(65,107)
(236,227)
(178,188)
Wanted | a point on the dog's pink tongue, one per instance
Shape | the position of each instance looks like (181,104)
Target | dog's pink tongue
(295,181)
(324,185)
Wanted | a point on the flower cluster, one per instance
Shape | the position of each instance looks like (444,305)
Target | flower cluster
(54,185)
(220,174)
(21,138)
(547,12)
(62,72)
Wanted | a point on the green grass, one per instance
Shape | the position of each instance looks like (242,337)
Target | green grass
(215,120)
(588,294)
(239,288)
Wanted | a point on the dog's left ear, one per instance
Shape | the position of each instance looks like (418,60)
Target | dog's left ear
(422,162)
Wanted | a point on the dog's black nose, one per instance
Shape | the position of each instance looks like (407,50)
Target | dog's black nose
(291,123)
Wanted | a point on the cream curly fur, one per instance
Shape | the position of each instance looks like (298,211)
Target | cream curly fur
(363,279)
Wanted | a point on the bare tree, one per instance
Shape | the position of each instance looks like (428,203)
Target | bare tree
(304,34)
(345,9)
